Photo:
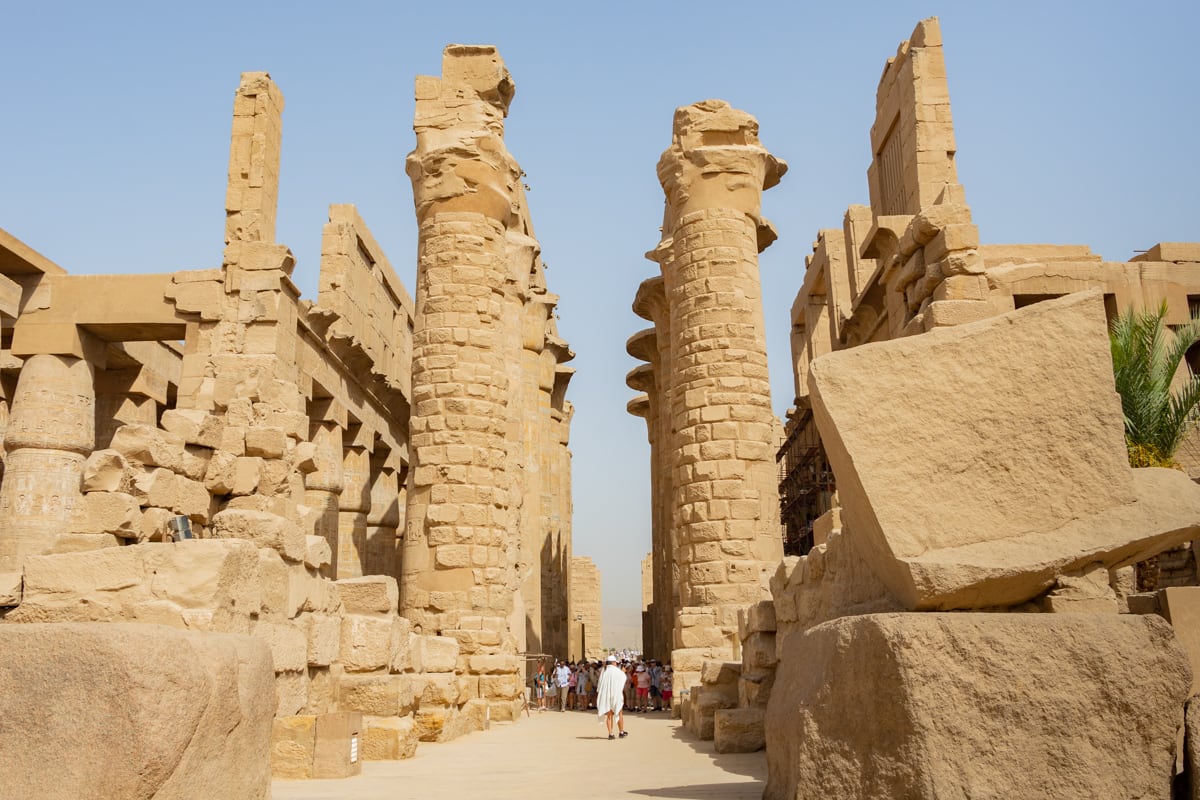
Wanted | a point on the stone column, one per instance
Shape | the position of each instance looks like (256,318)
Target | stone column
(354,503)
(383,518)
(322,487)
(533,435)
(724,493)
(461,533)
(51,431)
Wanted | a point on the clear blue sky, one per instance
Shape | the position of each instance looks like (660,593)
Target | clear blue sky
(1076,123)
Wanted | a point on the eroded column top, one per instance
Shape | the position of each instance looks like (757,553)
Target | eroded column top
(717,161)
(460,163)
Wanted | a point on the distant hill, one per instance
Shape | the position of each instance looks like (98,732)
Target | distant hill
(622,628)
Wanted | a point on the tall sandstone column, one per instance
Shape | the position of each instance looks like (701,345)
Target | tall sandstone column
(725,504)
(459,575)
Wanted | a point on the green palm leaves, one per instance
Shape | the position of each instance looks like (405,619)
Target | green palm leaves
(1146,356)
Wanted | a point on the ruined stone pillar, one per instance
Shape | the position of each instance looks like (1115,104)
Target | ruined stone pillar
(128,396)
(383,521)
(459,576)
(724,498)
(354,503)
(51,431)
(323,486)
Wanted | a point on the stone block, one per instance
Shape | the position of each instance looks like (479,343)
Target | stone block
(195,710)
(720,673)
(148,446)
(282,594)
(758,651)
(107,471)
(194,426)
(264,529)
(400,656)
(324,633)
(1015,421)
(471,717)
(383,695)
(367,641)
(291,692)
(116,513)
(288,644)
(293,740)
(739,730)
(757,618)
(372,594)
(928,706)
(192,500)
(437,653)
(1181,606)
(389,738)
(428,722)
(317,552)
(494,664)
(204,583)
(266,442)
(435,689)
(338,749)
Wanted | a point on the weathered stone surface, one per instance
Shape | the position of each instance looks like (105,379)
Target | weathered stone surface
(264,529)
(429,721)
(471,717)
(1181,606)
(317,553)
(195,711)
(389,738)
(148,446)
(739,730)
(438,653)
(368,642)
(436,689)
(208,584)
(291,692)
(292,742)
(106,471)
(1031,481)
(382,695)
(372,594)
(288,643)
(324,638)
(968,705)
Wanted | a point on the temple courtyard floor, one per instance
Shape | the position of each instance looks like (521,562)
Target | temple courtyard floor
(554,755)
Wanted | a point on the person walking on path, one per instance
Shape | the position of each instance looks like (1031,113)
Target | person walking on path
(610,697)
(562,677)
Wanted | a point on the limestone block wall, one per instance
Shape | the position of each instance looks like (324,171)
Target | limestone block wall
(587,632)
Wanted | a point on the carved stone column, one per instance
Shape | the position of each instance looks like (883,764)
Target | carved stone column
(724,495)
(51,431)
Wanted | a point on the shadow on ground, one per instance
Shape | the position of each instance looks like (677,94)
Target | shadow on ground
(706,790)
(734,763)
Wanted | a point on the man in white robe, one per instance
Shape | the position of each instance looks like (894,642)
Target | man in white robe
(610,697)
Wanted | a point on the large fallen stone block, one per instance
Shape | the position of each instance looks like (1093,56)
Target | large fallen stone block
(1014,468)
(208,584)
(739,730)
(977,705)
(133,711)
